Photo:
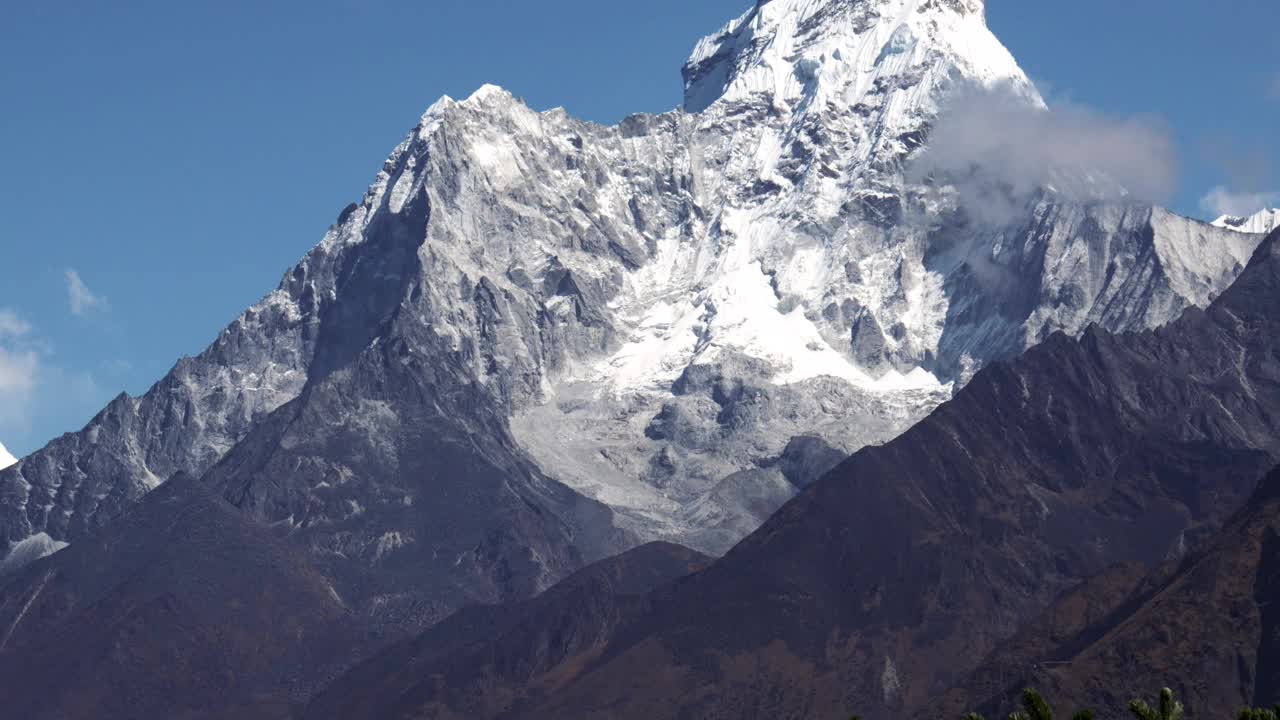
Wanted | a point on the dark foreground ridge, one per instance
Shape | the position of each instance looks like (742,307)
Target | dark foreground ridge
(1207,626)
(524,639)
(187,608)
(182,608)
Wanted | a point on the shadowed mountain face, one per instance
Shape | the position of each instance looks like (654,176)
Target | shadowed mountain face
(187,608)
(519,640)
(181,609)
(888,580)
(405,486)
(1205,627)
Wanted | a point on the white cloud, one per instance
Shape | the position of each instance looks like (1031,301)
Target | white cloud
(19,368)
(12,326)
(1221,201)
(35,394)
(997,150)
(17,373)
(81,298)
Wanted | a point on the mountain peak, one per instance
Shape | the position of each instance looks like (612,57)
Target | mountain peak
(488,91)
(1263,221)
(811,7)
(798,49)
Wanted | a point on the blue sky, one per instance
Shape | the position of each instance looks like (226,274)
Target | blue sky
(162,164)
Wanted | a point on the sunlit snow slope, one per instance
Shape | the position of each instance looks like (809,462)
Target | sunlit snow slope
(1263,221)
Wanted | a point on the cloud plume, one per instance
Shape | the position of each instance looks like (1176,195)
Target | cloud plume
(34,389)
(997,150)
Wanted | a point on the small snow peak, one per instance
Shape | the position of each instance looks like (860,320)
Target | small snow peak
(6,459)
(445,102)
(1260,223)
(488,92)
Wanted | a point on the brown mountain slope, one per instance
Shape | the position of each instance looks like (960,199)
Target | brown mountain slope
(502,641)
(1208,630)
(183,608)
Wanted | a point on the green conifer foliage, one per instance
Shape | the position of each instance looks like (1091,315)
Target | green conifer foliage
(1168,709)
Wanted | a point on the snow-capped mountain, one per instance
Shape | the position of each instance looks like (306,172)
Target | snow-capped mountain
(814,290)
(6,459)
(657,330)
(1263,221)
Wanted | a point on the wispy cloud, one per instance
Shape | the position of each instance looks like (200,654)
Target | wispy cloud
(12,326)
(17,374)
(35,390)
(997,150)
(1246,181)
(19,368)
(81,298)
(1221,201)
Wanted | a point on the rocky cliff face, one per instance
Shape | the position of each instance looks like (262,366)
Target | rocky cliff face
(401,479)
(625,328)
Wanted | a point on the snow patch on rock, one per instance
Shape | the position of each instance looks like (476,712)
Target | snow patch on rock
(29,550)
